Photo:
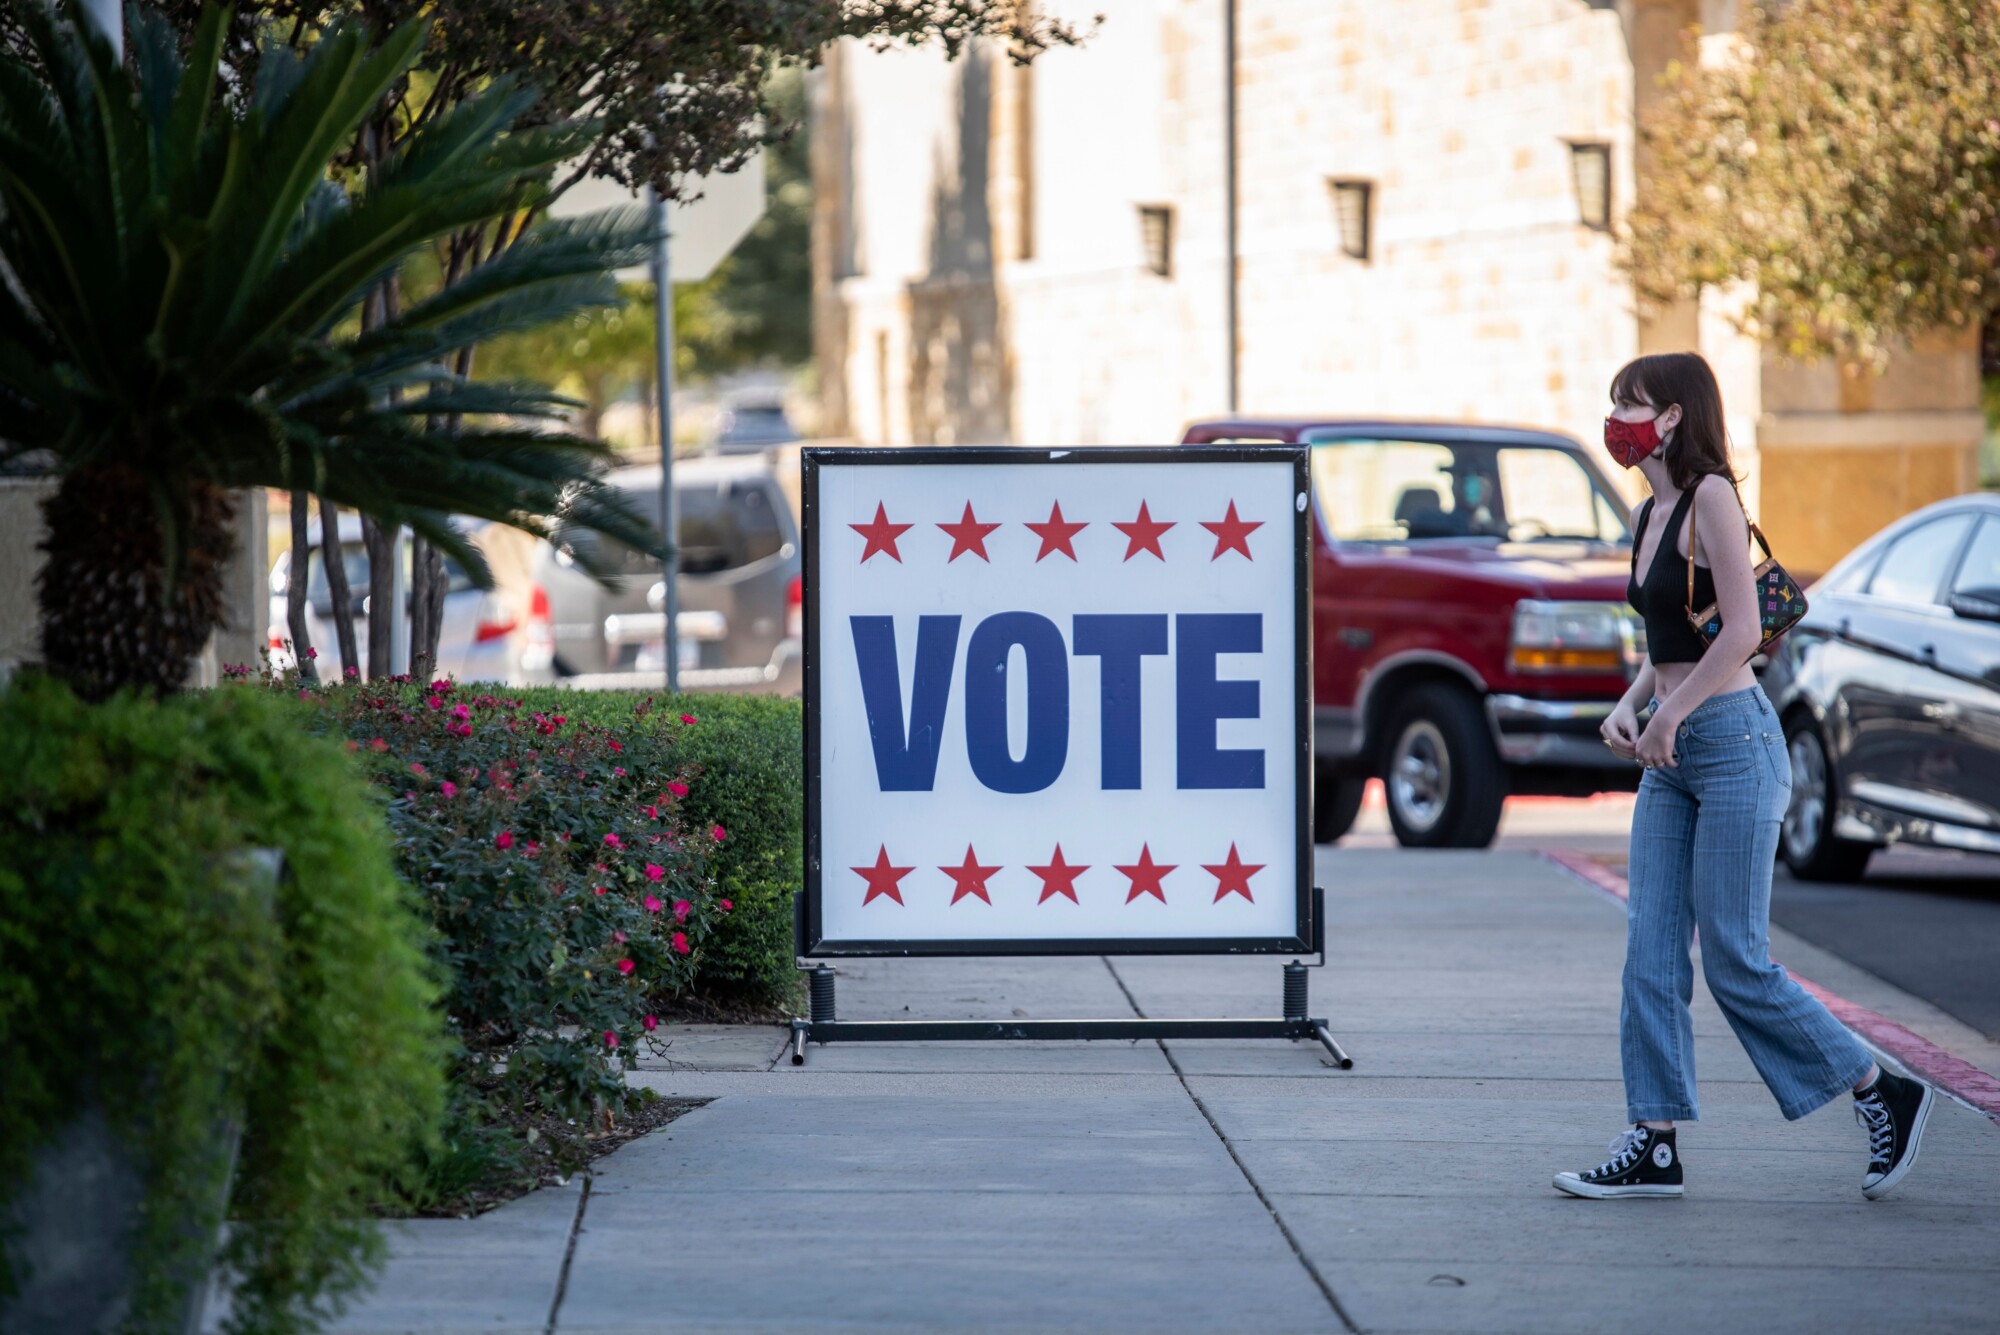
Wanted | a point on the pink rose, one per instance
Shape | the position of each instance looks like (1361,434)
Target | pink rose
(615,745)
(434,701)
(448,788)
(654,871)
(460,712)
(597,889)
(651,1022)
(610,1039)
(652,813)
(719,833)
(618,771)
(612,840)
(681,910)
(727,905)
(503,840)
(416,767)
(626,966)
(311,652)
(677,788)
(681,942)
(654,903)
(687,718)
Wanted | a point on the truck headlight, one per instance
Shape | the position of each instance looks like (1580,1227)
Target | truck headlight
(1572,637)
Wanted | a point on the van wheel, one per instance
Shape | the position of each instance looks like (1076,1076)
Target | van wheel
(1336,801)
(1806,840)
(1441,771)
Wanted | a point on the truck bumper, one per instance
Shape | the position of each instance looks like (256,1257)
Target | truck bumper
(1560,733)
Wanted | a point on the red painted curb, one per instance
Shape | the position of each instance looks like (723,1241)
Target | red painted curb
(1914,1052)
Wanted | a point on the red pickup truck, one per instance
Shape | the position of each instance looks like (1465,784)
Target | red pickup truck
(1470,629)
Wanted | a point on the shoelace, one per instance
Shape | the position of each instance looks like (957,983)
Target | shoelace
(1624,1149)
(1873,1116)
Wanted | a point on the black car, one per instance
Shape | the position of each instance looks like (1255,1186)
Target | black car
(1890,694)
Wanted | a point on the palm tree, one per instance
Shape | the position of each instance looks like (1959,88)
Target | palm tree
(180,276)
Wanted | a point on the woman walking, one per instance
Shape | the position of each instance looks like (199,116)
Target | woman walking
(1705,830)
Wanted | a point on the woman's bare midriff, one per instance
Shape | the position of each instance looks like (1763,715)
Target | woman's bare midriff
(1667,678)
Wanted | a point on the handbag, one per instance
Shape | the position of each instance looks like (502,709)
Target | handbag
(1781,601)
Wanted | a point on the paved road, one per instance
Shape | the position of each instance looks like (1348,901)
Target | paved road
(1924,919)
(1246,1186)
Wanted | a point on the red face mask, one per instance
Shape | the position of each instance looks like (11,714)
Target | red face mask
(1629,442)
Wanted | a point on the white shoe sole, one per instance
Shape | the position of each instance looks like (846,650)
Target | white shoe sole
(1590,1191)
(1909,1161)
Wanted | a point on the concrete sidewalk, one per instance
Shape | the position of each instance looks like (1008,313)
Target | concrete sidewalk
(1241,1186)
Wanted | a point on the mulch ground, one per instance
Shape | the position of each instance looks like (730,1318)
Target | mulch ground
(555,1150)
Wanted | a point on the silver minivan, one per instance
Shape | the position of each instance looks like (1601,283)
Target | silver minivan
(740,589)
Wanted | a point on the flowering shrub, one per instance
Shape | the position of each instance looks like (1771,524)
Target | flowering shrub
(564,885)
(746,757)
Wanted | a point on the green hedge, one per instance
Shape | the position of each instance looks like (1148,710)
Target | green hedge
(140,972)
(750,753)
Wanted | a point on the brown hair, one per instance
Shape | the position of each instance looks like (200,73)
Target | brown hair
(1700,444)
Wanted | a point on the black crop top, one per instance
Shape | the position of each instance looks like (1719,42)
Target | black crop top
(1662,599)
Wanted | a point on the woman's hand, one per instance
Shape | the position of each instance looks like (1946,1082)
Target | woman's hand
(1656,744)
(1621,732)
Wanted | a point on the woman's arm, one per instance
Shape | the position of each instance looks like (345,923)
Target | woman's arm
(1724,536)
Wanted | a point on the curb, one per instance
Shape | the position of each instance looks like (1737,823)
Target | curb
(1912,1051)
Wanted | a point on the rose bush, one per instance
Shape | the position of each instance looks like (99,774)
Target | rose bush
(564,883)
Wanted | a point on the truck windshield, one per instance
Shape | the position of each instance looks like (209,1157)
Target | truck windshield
(1382,490)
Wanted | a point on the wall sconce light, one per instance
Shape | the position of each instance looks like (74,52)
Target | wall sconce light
(1353,208)
(1590,172)
(1156,238)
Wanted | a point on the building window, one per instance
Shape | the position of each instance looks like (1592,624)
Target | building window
(1353,212)
(1156,238)
(1590,171)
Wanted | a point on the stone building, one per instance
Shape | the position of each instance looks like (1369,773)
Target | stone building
(1415,220)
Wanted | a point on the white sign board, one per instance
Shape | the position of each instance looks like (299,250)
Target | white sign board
(700,234)
(1057,701)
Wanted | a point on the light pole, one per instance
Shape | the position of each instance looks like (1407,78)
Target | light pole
(663,376)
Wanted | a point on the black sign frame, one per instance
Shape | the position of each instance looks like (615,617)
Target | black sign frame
(812,941)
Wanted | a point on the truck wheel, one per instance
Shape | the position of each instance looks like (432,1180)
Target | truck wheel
(1441,771)
(1336,801)
(1806,840)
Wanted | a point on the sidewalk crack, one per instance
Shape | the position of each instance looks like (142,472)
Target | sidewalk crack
(569,1255)
(1284,1229)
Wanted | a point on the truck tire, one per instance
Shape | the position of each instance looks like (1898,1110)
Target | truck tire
(1441,771)
(1806,841)
(1336,801)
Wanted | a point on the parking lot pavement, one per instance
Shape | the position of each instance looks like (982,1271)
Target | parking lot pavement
(1249,1186)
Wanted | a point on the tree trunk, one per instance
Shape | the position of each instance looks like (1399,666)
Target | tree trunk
(295,589)
(381,541)
(427,589)
(109,617)
(342,598)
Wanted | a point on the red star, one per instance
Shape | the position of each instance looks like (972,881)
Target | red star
(1055,533)
(881,535)
(882,877)
(1146,876)
(1233,876)
(969,877)
(1058,878)
(1231,532)
(968,535)
(1143,534)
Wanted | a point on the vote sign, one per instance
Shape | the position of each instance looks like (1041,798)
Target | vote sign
(1057,701)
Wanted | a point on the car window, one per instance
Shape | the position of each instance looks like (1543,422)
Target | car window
(1979,573)
(354,560)
(722,526)
(1853,577)
(1406,490)
(1913,566)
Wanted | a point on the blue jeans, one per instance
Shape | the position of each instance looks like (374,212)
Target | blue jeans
(1704,837)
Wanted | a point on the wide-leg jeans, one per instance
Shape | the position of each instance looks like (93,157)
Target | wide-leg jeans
(1704,838)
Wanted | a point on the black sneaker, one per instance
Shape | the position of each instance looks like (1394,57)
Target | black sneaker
(1643,1163)
(1893,1111)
